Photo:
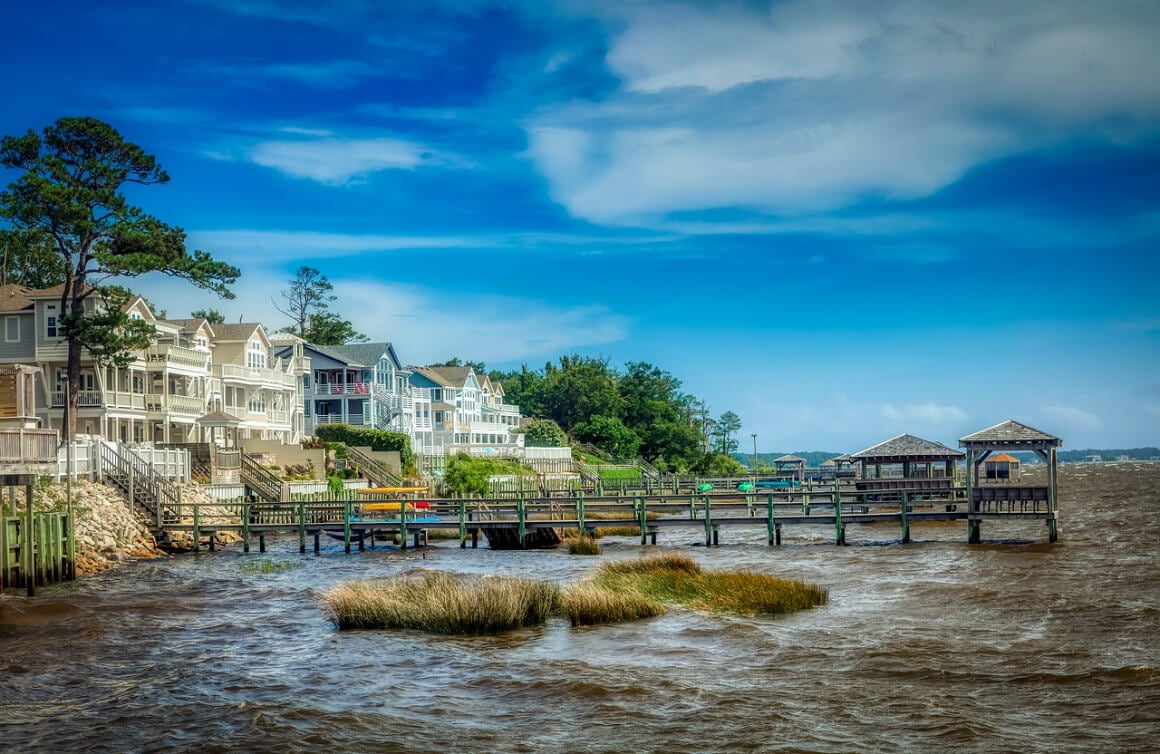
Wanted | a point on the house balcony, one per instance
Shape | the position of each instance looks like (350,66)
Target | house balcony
(159,403)
(343,388)
(125,400)
(87,399)
(176,358)
(253,376)
(28,451)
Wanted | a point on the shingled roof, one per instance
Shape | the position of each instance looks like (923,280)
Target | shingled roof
(790,458)
(907,448)
(1010,434)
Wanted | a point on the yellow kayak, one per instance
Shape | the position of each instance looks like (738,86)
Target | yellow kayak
(421,505)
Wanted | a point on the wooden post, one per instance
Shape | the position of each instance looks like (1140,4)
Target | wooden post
(520,518)
(839,528)
(642,517)
(580,512)
(29,564)
(974,526)
(403,525)
(301,527)
(770,526)
(462,524)
(246,527)
(905,517)
(346,525)
(708,523)
(474,538)
(197,528)
(806,502)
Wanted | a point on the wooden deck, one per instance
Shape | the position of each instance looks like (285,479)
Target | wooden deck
(839,508)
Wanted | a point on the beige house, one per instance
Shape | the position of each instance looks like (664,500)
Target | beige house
(192,369)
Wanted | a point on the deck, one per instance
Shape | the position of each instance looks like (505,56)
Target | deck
(840,508)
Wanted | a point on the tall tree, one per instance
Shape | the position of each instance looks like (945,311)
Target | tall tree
(307,302)
(727,425)
(580,388)
(478,367)
(69,187)
(213,316)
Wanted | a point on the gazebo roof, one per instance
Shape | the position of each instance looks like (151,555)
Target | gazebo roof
(789,459)
(907,448)
(1010,434)
(1002,458)
(218,419)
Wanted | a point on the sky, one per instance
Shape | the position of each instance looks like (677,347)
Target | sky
(842,221)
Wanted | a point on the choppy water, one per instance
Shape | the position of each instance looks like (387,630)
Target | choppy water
(931,646)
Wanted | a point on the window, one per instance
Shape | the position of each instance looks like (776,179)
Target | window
(50,326)
(257,403)
(255,357)
(11,329)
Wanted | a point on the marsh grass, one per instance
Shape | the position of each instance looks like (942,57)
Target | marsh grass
(582,544)
(442,603)
(587,604)
(677,578)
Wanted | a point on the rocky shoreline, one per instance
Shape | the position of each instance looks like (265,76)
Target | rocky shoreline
(109,531)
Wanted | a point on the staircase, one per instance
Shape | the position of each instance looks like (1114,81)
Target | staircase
(148,490)
(648,472)
(377,474)
(260,481)
(589,477)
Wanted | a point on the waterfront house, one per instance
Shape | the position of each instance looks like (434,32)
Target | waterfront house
(190,369)
(467,416)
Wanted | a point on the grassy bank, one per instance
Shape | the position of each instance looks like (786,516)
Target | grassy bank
(446,603)
(677,578)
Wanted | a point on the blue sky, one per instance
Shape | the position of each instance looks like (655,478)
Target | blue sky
(842,221)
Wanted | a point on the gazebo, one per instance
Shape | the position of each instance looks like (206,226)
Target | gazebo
(907,462)
(789,467)
(1000,469)
(1010,436)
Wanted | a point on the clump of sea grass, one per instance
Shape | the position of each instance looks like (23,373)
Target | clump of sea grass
(588,604)
(583,545)
(443,603)
(677,578)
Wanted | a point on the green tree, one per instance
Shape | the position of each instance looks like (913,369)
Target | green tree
(580,388)
(213,316)
(29,258)
(69,187)
(307,303)
(719,464)
(544,433)
(524,388)
(329,329)
(478,367)
(727,425)
(609,434)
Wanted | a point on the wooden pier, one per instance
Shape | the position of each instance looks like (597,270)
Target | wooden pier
(838,507)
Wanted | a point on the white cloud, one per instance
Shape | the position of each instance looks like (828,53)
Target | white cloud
(280,245)
(425,325)
(810,106)
(1073,417)
(923,413)
(337,160)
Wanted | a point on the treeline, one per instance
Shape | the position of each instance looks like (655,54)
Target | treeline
(640,411)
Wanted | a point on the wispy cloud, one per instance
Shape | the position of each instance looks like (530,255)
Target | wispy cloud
(1073,417)
(336,160)
(324,73)
(928,413)
(809,107)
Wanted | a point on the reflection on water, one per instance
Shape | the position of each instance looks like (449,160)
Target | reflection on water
(924,647)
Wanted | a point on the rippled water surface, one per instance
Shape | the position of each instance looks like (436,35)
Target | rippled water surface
(1013,645)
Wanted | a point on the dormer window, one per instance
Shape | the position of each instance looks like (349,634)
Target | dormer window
(256,357)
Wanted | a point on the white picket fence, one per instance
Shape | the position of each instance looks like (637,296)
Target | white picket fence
(171,463)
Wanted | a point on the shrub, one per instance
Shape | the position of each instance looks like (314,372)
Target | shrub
(589,604)
(583,545)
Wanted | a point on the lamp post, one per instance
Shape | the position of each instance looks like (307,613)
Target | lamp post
(754,436)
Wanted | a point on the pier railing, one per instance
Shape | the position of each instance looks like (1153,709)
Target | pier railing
(837,507)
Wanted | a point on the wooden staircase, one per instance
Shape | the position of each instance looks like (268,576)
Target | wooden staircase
(260,481)
(155,495)
(372,470)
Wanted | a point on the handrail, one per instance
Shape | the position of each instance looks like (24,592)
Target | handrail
(148,489)
(260,479)
(372,469)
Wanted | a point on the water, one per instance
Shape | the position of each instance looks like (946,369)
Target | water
(931,646)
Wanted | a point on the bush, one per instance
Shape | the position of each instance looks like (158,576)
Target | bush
(589,604)
(376,439)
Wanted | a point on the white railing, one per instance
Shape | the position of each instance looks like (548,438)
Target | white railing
(178,404)
(125,399)
(250,375)
(547,453)
(177,356)
(278,417)
(343,388)
(171,463)
(27,445)
(87,398)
